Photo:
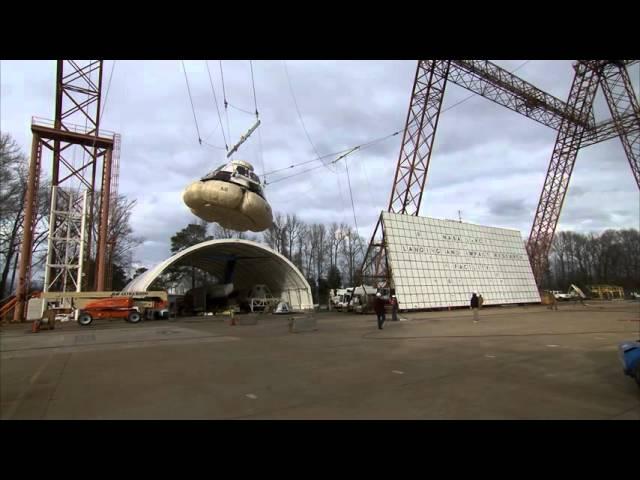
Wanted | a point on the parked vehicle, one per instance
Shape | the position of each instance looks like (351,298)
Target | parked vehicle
(342,298)
(363,297)
(115,307)
(126,307)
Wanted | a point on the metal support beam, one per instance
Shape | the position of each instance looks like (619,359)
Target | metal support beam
(509,90)
(105,200)
(623,104)
(568,141)
(30,213)
(417,142)
(610,129)
(67,237)
(573,119)
(78,99)
(374,268)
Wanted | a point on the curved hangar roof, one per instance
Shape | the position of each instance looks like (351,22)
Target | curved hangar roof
(255,264)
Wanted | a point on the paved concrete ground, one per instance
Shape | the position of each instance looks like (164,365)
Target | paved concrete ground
(517,363)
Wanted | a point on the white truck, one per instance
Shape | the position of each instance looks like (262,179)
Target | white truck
(341,298)
(362,299)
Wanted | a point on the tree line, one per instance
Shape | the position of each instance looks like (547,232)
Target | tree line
(610,257)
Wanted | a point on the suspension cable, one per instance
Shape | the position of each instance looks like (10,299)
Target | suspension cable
(255,101)
(106,96)
(215,98)
(332,162)
(226,103)
(255,104)
(191,100)
(241,109)
(353,208)
(294,165)
(215,146)
(261,153)
(298,110)
(364,145)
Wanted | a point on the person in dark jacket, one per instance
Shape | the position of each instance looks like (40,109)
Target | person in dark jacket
(378,306)
(475,305)
(394,308)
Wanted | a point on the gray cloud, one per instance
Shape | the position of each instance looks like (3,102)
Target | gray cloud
(488,163)
(508,206)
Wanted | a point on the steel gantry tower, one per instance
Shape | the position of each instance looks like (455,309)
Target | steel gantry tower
(573,120)
(79,149)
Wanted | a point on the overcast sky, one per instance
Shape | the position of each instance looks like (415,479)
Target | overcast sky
(488,162)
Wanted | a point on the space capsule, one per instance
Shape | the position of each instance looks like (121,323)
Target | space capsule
(232,196)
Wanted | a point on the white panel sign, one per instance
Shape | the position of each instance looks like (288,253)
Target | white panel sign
(439,263)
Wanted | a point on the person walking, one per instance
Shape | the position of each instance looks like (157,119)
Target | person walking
(474,306)
(553,302)
(394,308)
(480,301)
(378,306)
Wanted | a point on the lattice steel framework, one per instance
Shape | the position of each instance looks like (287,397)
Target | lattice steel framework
(77,152)
(67,240)
(375,269)
(563,158)
(113,210)
(417,142)
(574,121)
(624,109)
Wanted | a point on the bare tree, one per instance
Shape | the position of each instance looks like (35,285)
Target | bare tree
(352,253)
(318,240)
(301,248)
(609,257)
(274,235)
(630,252)
(120,236)
(306,252)
(219,232)
(335,238)
(13,174)
(121,241)
(292,231)
(13,187)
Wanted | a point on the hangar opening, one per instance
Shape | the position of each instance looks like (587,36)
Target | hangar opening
(239,274)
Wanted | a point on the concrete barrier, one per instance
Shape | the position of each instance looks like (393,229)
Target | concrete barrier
(302,324)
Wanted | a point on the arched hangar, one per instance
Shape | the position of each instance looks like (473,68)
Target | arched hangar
(242,262)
